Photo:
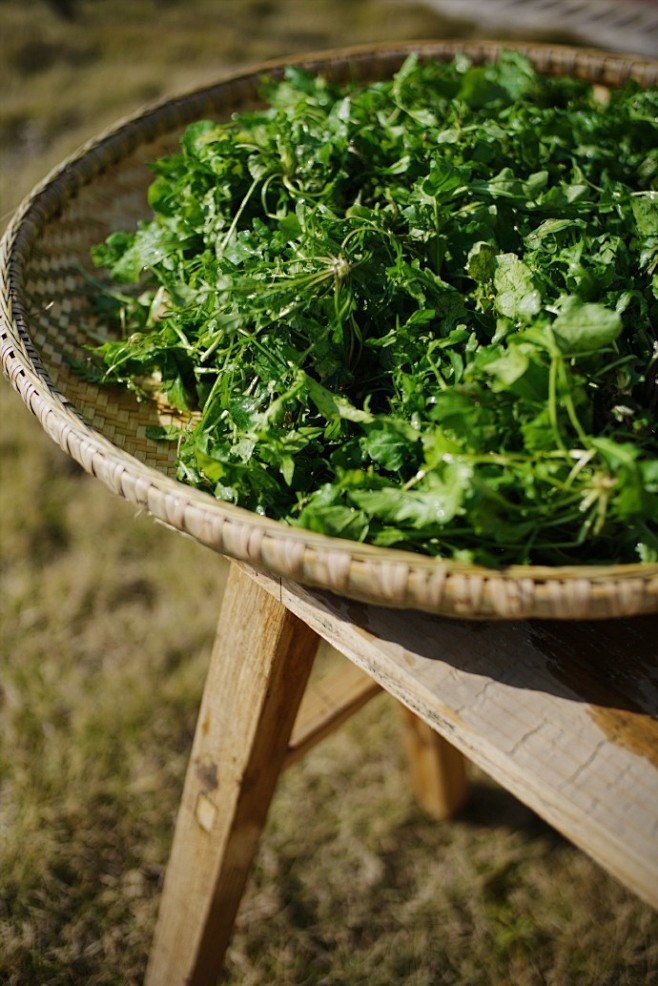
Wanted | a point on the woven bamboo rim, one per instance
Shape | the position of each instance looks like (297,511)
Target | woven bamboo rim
(43,302)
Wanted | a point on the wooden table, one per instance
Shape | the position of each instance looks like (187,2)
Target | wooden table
(564,715)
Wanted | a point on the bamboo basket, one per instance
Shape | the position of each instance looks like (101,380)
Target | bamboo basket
(43,306)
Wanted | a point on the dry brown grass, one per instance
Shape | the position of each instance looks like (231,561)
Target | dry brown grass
(107,621)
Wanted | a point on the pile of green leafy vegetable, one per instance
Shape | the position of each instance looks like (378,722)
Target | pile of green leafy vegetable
(421,313)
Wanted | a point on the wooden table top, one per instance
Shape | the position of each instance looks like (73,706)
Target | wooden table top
(564,715)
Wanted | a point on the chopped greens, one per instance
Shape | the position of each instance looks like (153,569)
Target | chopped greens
(421,313)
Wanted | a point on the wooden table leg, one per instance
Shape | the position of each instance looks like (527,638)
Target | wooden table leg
(438,769)
(258,671)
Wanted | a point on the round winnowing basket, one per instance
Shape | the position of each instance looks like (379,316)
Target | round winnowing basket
(44,306)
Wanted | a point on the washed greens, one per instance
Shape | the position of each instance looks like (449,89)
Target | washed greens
(421,313)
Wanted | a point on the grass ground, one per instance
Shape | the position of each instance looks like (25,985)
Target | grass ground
(107,621)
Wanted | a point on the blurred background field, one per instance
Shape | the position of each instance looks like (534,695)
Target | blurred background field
(108,618)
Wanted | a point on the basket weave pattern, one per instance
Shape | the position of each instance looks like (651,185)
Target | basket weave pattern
(44,312)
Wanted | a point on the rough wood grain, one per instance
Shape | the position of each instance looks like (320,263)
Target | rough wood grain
(563,715)
(257,675)
(438,769)
(327,705)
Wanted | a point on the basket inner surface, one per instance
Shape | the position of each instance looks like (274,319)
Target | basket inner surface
(61,311)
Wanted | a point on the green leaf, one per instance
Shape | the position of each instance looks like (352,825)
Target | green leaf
(517,297)
(509,367)
(334,405)
(432,507)
(164,433)
(290,226)
(390,443)
(481,263)
(444,181)
(110,254)
(581,329)
(645,211)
